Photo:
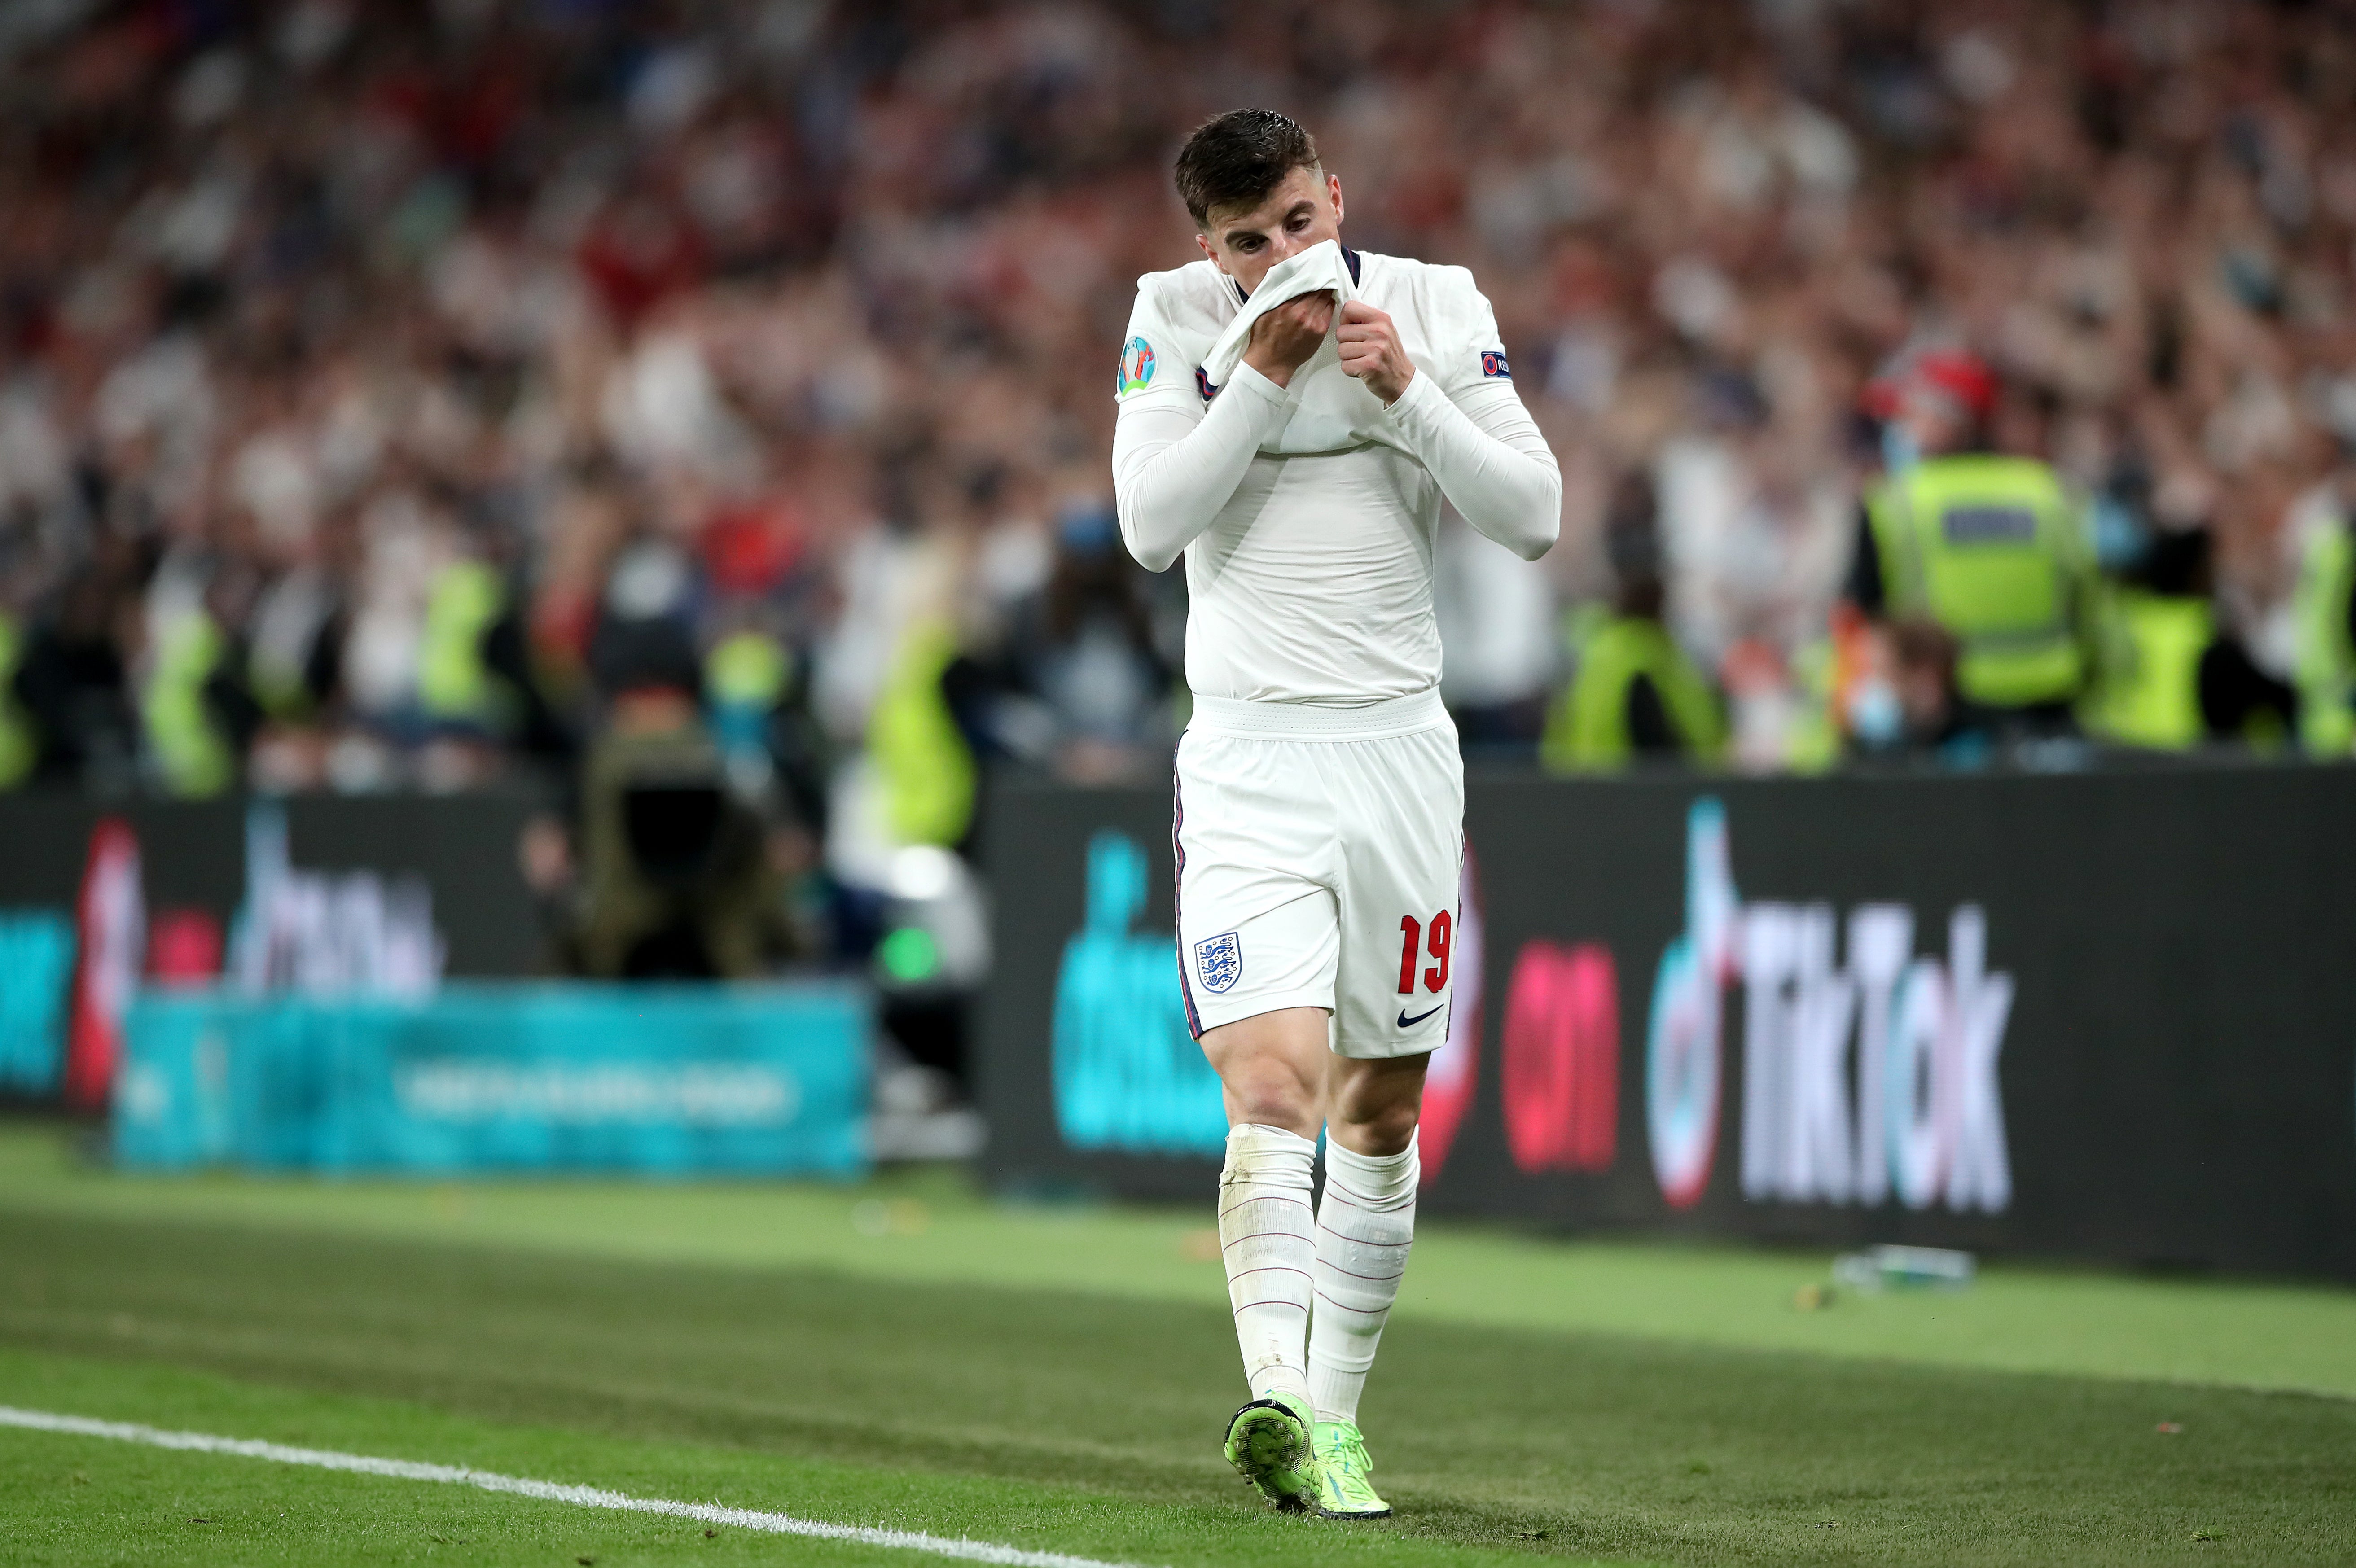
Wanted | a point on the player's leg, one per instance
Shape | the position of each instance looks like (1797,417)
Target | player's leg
(1258,946)
(1271,1070)
(1402,857)
(1265,1032)
(1365,1225)
(1366,1222)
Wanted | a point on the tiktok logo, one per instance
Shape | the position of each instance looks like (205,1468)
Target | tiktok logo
(1859,1083)
(1922,1115)
(1681,1056)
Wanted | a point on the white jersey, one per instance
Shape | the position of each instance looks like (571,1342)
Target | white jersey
(1308,513)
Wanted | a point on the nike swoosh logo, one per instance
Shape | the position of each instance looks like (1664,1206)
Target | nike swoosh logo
(1407,1022)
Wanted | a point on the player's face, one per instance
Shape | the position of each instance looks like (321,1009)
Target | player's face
(1245,243)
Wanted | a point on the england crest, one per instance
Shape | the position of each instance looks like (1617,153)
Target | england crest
(1219,961)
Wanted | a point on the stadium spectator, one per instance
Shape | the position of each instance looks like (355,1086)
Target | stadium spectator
(401,322)
(1924,656)
(1085,684)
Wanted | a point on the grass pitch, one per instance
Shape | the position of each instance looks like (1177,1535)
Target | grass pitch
(903,1354)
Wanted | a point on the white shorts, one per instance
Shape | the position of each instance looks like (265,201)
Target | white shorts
(1319,852)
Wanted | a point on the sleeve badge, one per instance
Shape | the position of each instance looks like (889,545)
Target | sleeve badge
(1136,366)
(1494,366)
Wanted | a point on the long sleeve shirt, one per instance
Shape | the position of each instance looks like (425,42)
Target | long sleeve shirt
(1307,514)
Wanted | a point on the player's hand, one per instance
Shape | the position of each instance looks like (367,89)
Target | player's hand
(1371,351)
(1282,340)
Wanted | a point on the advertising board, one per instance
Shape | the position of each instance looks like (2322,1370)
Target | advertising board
(657,1080)
(2108,1015)
(325,894)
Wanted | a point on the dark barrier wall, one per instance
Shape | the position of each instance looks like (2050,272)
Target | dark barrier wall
(193,855)
(2108,1016)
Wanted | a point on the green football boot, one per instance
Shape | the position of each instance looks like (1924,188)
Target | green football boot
(1268,1444)
(1338,1464)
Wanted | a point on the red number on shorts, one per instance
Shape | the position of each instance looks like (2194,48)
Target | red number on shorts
(1411,933)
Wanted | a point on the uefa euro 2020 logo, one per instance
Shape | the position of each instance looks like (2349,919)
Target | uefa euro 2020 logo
(1136,365)
(1219,960)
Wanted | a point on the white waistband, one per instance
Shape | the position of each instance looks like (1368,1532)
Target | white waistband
(1319,720)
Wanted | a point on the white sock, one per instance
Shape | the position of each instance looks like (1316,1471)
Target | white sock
(1269,1245)
(1364,1226)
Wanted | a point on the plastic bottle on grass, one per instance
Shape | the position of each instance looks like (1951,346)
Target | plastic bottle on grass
(1904,1268)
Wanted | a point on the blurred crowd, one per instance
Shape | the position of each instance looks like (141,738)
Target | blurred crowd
(392,392)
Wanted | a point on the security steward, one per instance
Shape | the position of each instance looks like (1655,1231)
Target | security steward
(1636,695)
(2325,605)
(2172,677)
(1986,546)
(2156,629)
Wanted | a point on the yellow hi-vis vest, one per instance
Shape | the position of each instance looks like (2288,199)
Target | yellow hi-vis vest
(929,770)
(1588,729)
(453,684)
(191,755)
(1990,548)
(19,747)
(2149,690)
(2327,663)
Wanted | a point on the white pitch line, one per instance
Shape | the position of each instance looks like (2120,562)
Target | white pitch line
(545,1491)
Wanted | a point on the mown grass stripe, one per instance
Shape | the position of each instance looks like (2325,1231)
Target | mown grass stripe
(543,1491)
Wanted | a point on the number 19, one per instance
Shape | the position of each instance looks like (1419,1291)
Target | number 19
(1411,936)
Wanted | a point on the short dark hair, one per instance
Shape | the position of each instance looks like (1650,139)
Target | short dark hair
(1236,158)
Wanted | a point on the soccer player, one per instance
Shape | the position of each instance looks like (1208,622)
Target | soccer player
(1291,414)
